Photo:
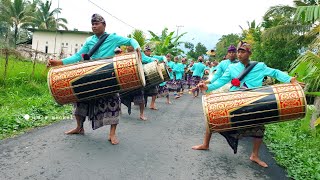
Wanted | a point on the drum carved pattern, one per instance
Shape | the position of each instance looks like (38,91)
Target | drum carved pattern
(291,103)
(60,82)
(219,107)
(127,73)
(289,99)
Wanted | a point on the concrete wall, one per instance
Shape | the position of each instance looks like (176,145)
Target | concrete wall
(61,44)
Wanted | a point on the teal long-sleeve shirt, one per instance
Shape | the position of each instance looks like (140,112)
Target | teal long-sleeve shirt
(105,50)
(178,68)
(170,64)
(253,79)
(198,69)
(221,68)
(148,59)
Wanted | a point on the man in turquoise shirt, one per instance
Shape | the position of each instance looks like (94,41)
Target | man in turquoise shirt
(198,71)
(170,65)
(223,65)
(152,91)
(178,69)
(91,108)
(253,79)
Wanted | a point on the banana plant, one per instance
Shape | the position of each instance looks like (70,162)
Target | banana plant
(165,43)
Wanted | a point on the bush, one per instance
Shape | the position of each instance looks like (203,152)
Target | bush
(296,147)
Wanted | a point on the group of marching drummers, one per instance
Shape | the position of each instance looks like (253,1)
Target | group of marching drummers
(98,85)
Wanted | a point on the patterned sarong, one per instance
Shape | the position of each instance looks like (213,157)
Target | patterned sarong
(233,137)
(101,111)
(163,91)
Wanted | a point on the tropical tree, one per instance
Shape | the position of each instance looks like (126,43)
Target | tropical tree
(165,43)
(45,19)
(139,36)
(17,14)
(224,42)
(194,52)
(307,66)
(280,22)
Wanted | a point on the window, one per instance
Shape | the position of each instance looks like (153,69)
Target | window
(76,44)
(75,50)
(81,45)
(46,42)
(46,49)
(62,44)
(66,44)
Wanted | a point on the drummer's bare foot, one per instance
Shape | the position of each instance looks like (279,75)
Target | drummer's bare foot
(143,118)
(114,140)
(200,147)
(75,131)
(153,108)
(168,102)
(258,161)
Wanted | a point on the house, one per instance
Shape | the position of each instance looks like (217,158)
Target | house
(60,43)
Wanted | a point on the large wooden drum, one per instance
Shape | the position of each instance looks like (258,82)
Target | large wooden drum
(153,74)
(164,71)
(92,79)
(254,107)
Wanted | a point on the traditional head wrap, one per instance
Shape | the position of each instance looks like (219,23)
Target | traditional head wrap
(244,46)
(232,48)
(147,48)
(97,18)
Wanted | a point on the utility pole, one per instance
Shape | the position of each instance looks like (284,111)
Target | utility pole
(178,27)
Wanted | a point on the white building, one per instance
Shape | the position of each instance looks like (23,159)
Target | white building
(61,43)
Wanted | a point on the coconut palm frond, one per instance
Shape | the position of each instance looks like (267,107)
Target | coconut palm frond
(276,10)
(284,31)
(307,13)
(307,69)
(310,58)
(313,80)
(299,3)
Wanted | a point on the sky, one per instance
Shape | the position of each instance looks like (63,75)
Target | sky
(204,20)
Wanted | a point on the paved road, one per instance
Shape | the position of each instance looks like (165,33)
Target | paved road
(159,148)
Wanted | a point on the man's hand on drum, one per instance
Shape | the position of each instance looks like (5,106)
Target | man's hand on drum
(294,80)
(205,81)
(202,86)
(53,62)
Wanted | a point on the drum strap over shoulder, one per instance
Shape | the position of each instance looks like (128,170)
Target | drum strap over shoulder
(95,47)
(247,70)
(237,81)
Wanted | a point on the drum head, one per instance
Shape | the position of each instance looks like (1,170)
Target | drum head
(140,69)
(160,72)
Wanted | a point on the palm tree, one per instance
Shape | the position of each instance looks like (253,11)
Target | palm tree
(307,66)
(248,34)
(45,19)
(16,13)
(281,22)
(139,36)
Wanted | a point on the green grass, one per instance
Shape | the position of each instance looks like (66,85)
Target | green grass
(296,147)
(21,94)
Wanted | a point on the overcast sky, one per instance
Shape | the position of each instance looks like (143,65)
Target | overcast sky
(204,20)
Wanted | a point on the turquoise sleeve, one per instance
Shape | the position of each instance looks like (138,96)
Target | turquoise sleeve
(126,41)
(275,73)
(224,79)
